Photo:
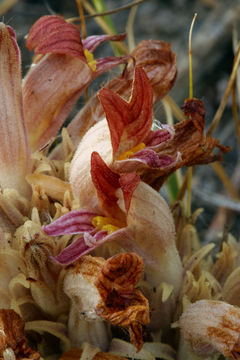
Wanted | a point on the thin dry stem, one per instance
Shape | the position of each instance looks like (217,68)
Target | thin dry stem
(223,103)
(235,113)
(190,57)
(190,172)
(81,15)
(109,12)
(224,179)
(235,47)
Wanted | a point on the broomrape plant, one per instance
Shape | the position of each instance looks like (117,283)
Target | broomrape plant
(92,259)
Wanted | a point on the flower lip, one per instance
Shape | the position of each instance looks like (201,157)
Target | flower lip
(74,222)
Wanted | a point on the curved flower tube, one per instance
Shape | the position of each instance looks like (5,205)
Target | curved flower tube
(56,82)
(130,213)
(14,147)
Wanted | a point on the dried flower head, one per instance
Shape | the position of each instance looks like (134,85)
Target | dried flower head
(12,338)
(105,289)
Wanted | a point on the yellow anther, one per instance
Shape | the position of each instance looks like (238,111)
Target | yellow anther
(90,59)
(106,223)
(132,151)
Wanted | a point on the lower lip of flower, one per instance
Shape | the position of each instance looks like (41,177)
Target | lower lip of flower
(132,151)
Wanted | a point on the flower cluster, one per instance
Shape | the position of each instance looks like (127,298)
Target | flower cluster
(90,252)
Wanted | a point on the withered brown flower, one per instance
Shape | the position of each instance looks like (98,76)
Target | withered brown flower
(121,304)
(212,326)
(188,140)
(111,294)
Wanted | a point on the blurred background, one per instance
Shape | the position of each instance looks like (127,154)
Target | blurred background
(215,36)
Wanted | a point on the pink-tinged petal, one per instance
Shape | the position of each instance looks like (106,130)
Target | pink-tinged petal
(146,163)
(50,90)
(52,34)
(129,122)
(108,63)
(74,222)
(92,42)
(106,182)
(154,160)
(157,137)
(14,148)
(159,63)
(78,248)
(128,184)
(88,242)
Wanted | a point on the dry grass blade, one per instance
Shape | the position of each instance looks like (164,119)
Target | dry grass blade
(182,189)
(235,113)
(103,25)
(217,200)
(222,105)
(177,112)
(6,5)
(224,179)
(235,47)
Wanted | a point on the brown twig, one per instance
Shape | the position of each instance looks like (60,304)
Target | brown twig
(114,11)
